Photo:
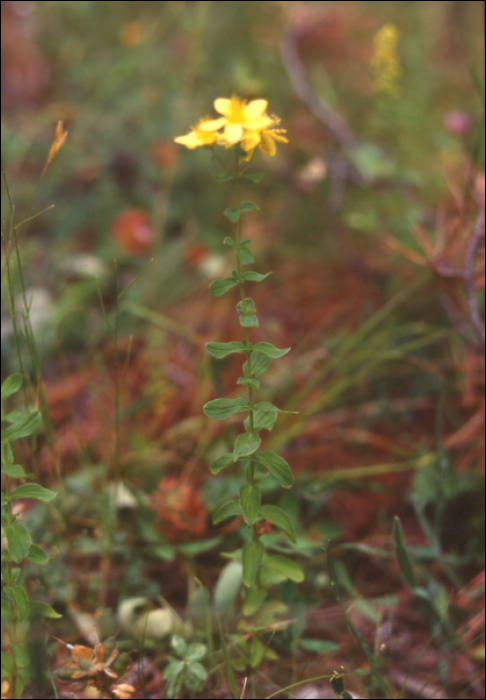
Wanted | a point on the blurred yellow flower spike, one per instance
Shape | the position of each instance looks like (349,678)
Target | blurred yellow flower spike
(203,134)
(385,61)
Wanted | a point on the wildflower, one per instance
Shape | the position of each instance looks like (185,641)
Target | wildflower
(240,117)
(265,139)
(385,61)
(204,133)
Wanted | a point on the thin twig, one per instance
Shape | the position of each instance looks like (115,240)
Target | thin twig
(304,90)
(475,245)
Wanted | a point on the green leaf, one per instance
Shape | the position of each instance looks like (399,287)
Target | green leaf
(277,466)
(251,559)
(220,350)
(232,214)
(19,541)
(7,455)
(254,276)
(401,552)
(179,645)
(15,471)
(196,651)
(245,445)
(24,427)
(7,613)
(37,555)
(264,415)
(254,383)
(249,304)
(18,596)
(173,669)
(221,463)
(227,510)
(227,588)
(245,256)
(249,321)
(39,493)
(279,517)
(220,409)
(197,671)
(248,206)
(22,656)
(220,287)
(253,177)
(250,501)
(319,646)
(285,566)
(259,363)
(11,385)
(270,350)
(38,609)
(224,177)
(254,599)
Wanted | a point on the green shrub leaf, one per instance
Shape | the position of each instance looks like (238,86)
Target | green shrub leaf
(19,541)
(25,426)
(245,256)
(248,206)
(227,510)
(7,616)
(220,287)
(223,177)
(232,214)
(245,445)
(18,596)
(39,493)
(249,321)
(220,409)
(251,559)
(264,415)
(254,383)
(38,609)
(259,363)
(220,350)
(277,466)
(285,566)
(250,501)
(270,350)
(37,555)
(15,471)
(254,276)
(254,177)
(221,463)
(11,385)
(279,517)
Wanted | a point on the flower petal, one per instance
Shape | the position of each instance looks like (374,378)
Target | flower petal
(233,133)
(267,144)
(256,108)
(211,124)
(223,105)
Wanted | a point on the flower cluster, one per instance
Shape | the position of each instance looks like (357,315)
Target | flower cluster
(385,61)
(246,124)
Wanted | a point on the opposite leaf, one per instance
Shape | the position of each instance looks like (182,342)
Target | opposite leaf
(245,445)
(39,493)
(251,559)
(11,385)
(277,466)
(220,350)
(250,501)
(220,287)
(220,409)
(230,509)
(279,517)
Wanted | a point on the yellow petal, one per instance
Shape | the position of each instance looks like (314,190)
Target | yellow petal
(279,137)
(233,133)
(258,123)
(251,140)
(256,108)
(223,105)
(212,124)
(267,145)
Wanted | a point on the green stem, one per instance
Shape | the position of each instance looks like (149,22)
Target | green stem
(12,631)
(241,286)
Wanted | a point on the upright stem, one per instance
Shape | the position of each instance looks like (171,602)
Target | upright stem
(10,583)
(241,286)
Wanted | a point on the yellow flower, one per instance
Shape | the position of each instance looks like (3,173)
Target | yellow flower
(204,133)
(385,61)
(240,117)
(265,139)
